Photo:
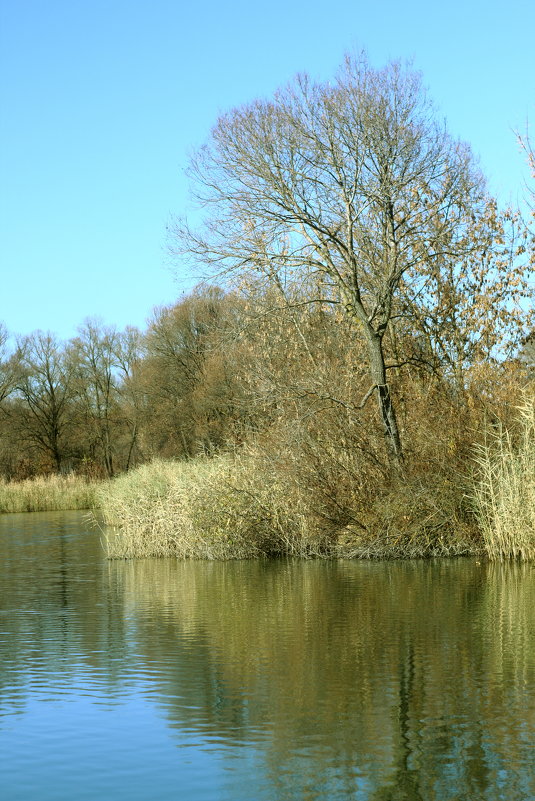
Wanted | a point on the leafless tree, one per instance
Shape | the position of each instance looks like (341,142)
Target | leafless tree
(93,357)
(129,353)
(7,365)
(350,185)
(44,385)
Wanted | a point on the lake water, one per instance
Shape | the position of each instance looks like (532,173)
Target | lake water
(259,681)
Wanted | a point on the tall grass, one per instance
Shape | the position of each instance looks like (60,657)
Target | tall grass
(47,494)
(199,509)
(504,494)
(261,503)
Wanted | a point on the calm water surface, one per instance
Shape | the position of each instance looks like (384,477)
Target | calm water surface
(259,681)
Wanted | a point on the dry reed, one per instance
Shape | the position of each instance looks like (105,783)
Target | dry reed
(47,494)
(200,509)
(504,494)
(247,505)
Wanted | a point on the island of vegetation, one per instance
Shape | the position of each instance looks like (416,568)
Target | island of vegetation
(353,376)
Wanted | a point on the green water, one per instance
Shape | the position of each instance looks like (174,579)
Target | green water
(259,681)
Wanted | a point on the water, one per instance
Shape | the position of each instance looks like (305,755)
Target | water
(259,681)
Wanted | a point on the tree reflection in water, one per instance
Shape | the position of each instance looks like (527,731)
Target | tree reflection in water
(311,680)
(389,680)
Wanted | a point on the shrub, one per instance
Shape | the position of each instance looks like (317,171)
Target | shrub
(295,490)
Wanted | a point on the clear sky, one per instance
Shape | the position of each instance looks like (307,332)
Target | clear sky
(102,100)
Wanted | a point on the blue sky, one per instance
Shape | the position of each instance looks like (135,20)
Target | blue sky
(101,101)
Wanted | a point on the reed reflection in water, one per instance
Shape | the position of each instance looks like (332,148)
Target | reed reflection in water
(265,680)
(374,680)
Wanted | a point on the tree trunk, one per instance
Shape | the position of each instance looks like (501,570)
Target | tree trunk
(384,399)
(107,451)
(131,448)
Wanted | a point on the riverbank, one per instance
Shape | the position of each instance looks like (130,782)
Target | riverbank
(47,494)
(248,504)
(229,508)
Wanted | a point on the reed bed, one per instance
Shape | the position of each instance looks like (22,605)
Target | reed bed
(199,509)
(47,494)
(244,506)
(504,494)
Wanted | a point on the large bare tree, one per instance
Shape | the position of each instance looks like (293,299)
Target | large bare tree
(351,185)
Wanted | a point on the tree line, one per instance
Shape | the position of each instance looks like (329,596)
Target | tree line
(107,400)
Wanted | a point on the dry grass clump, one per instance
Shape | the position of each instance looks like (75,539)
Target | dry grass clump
(219,508)
(504,493)
(47,494)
